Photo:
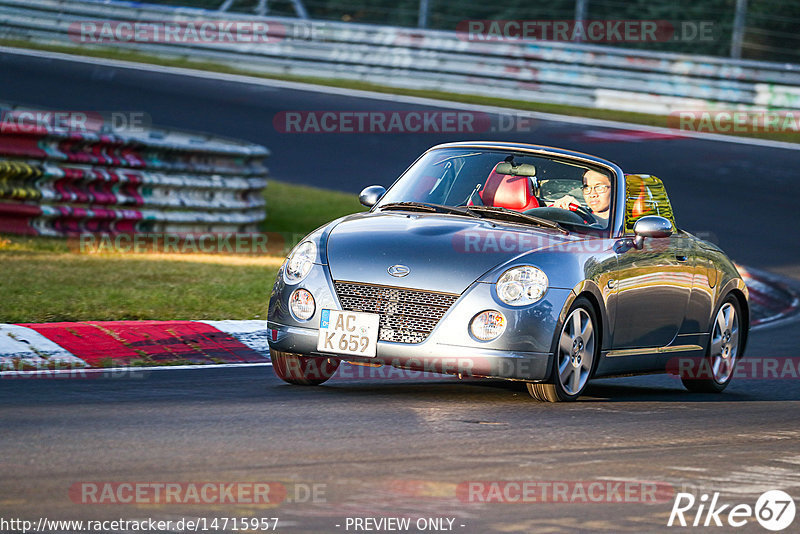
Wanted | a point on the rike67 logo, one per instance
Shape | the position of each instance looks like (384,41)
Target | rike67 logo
(774,510)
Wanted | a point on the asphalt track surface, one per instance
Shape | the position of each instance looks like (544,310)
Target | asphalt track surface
(400,447)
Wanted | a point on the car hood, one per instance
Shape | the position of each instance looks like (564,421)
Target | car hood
(444,253)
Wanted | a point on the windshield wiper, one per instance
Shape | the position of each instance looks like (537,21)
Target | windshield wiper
(433,208)
(506,213)
(411,206)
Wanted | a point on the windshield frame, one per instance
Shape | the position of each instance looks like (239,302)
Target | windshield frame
(615,227)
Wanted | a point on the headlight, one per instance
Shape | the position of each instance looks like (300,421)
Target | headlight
(301,302)
(521,285)
(488,325)
(300,262)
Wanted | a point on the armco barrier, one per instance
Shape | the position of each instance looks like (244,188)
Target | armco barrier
(57,181)
(567,73)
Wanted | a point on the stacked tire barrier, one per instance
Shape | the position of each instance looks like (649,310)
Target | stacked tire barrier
(57,181)
(559,72)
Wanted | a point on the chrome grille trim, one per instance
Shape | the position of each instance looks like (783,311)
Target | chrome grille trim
(406,315)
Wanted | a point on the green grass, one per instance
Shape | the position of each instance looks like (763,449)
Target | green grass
(297,209)
(577,111)
(42,280)
(46,287)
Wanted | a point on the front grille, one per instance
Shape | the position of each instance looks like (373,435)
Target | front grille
(407,315)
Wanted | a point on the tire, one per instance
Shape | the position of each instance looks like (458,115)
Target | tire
(724,348)
(302,370)
(576,351)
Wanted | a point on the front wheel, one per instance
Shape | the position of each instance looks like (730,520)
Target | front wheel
(576,353)
(716,369)
(302,370)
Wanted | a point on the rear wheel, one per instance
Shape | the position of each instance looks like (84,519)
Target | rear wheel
(302,370)
(577,350)
(716,369)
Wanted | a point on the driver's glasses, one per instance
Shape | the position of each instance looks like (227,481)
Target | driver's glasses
(598,189)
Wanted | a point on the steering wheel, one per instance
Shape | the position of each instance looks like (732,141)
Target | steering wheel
(587,216)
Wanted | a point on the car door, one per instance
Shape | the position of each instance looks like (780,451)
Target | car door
(652,284)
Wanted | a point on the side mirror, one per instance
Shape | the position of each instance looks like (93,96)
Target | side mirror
(370,196)
(651,226)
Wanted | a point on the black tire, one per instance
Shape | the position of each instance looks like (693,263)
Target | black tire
(302,370)
(571,351)
(705,378)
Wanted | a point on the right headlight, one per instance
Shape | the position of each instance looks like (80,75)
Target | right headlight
(521,285)
(300,262)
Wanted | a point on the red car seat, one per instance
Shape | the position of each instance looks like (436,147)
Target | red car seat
(507,191)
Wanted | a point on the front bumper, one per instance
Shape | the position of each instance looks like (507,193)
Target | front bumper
(432,357)
(522,352)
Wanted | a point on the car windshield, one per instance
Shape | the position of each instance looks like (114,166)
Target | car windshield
(502,184)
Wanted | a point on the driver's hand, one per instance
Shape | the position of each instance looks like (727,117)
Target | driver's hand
(564,202)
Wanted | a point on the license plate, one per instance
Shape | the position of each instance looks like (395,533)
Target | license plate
(344,332)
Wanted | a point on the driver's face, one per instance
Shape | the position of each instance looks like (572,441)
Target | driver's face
(598,201)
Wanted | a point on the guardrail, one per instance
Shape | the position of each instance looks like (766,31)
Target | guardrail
(60,181)
(557,72)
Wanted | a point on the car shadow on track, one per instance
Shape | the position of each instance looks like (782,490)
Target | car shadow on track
(651,388)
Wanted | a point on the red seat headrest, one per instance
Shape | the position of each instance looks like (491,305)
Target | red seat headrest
(507,191)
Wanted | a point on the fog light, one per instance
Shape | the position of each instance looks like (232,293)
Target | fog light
(488,325)
(302,304)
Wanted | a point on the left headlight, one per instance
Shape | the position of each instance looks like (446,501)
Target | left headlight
(300,262)
(521,285)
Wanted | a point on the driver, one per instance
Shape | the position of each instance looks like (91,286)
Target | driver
(597,193)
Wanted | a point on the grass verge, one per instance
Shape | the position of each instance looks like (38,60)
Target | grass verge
(560,109)
(41,280)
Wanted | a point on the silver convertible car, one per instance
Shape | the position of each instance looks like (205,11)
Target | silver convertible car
(511,261)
